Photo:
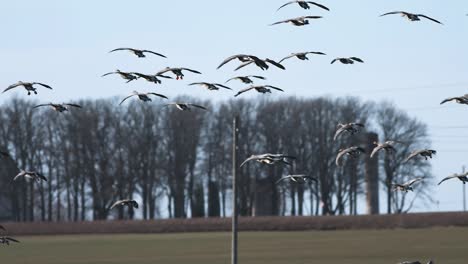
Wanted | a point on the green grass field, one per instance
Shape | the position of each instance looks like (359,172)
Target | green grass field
(444,245)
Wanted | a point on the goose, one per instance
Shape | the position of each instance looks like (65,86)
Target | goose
(211,86)
(7,240)
(177,72)
(298,21)
(59,107)
(459,100)
(270,159)
(29,86)
(298,178)
(462,177)
(411,17)
(426,153)
(352,128)
(349,60)
(246,79)
(125,75)
(262,64)
(259,88)
(30,175)
(143,96)
(302,55)
(407,186)
(387,146)
(353,152)
(150,78)
(139,53)
(125,202)
(304,4)
(186,106)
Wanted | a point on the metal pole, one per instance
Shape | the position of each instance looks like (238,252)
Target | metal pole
(234,191)
(464,192)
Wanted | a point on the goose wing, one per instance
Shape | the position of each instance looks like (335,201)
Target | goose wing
(335,60)
(244,90)
(42,177)
(290,56)
(375,150)
(233,78)
(12,86)
(190,70)
(74,105)
(318,5)
(281,22)
(155,53)
(233,57)
(357,59)
(449,99)
(119,202)
(159,95)
(127,98)
(394,13)
(288,3)
(109,73)
(338,133)
(430,18)
(413,154)
(253,157)
(118,49)
(413,181)
(168,69)
(222,86)
(278,65)
(243,65)
(273,87)
(282,179)
(340,154)
(43,85)
(19,175)
(448,178)
(12,239)
(257,77)
(41,105)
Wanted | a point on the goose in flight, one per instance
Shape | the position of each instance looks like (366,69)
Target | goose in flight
(302,55)
(349,60)
(211,86)
(298,21)
(59,107)
(139,53)
(426,153)
(387,146)
(411,17)
(29,86)
(7,240)
(459,99)
(462,177)
(259,88)
(262,64)
(298,178)
(30,175)
(353,152)
(150,78)
(246,79)
(270,159)
(145,97)
(125,75)
(186,106)
(304,4)
(407,186)
(352,128)
(125,202)
(177,72)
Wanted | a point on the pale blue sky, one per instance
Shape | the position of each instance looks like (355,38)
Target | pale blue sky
(415,65)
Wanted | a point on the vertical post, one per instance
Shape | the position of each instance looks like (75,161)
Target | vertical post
(234,191)
(464,192)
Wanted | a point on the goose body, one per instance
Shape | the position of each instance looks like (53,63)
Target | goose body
(351,128)
(259,88)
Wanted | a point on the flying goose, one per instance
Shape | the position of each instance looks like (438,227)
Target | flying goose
(125,202)
(387,146)
(143,96)
(150,78)
(352,128)
(177,72)
(426,153)
(302,55)
(125,75)
(6,240)
(58,107)
(411,17)
(353,152)
(211,86)
(269,159)
(298,178)
(139,53)
(246,79)
(262,64)
(29,86)
(30,175)
(298,21)
(407,186)
(186,106)
(304,4)
(259,88)
(459,99)
(462,177)
(349,60)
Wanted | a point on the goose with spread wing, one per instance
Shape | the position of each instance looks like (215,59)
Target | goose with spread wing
(138,52)
(177,72)
(247,79)
(462,177)
(304,4)
(298,21)
(150,78)
(302,55)
(407,186)
(426,153)
(30,175)
(351,128)
(145,97)
(459,100)
(186,106)
(387,146)
(259,88)
(7,240)
(211,86)
(29,86)
(297,178)
(125,202)
(412,17)
(349,60)
(270,159)
(125,75)
(59,107)
(352,152)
